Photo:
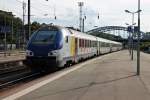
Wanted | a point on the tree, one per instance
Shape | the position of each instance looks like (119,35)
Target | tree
(7,23)
(34,26)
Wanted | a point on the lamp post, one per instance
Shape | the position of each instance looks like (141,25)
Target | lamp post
(138,40)
(29,25)
(132,44)
(5,36)
(23,27)
(83,23)
(138,37)
(12,31)
(80,4)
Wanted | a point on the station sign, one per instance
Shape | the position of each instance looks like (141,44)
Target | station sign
(5,29)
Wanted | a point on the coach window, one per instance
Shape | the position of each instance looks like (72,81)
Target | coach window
(76,42)
(93,43)
(66,39)
(103,44)
(107,44)
(66,32)
(89,43)
(79,42)
(85,43)
(99,44)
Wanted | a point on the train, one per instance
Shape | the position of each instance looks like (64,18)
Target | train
(53,47)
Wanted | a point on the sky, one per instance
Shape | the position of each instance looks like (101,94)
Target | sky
(111,12)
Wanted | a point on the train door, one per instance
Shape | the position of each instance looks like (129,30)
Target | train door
(99,47)
(76,48)
(66,47)
(110,47)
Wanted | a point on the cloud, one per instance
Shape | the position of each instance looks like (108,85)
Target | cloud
(67,11)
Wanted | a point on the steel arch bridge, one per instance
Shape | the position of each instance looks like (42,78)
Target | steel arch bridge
(111,28)
(106,29)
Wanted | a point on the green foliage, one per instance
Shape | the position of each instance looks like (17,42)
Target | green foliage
(107,36)
(34,26)
(144,45)
(147,32)
(15,23)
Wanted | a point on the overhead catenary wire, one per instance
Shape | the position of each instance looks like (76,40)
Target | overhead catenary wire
(39,12)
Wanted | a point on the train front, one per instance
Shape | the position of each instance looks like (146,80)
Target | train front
(44,47)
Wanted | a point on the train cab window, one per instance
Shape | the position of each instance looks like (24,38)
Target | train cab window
(45,36)
(67,38)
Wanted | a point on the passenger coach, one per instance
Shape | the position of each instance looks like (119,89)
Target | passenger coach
(53,47)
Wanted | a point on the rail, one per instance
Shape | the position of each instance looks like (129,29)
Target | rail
(10,53)
(10,61)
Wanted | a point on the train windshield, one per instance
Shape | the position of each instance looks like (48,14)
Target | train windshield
(44,37)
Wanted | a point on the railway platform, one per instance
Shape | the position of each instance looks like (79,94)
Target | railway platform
(108,77)
(11,62)
(10,57)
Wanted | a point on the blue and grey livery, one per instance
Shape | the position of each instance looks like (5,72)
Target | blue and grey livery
(55,46)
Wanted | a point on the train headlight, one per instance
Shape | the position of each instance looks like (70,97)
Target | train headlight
(53,53)
(29,53)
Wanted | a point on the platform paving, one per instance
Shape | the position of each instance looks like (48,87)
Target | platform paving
(109,77)
(11,57)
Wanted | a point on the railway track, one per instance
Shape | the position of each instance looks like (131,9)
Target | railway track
(13,78)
